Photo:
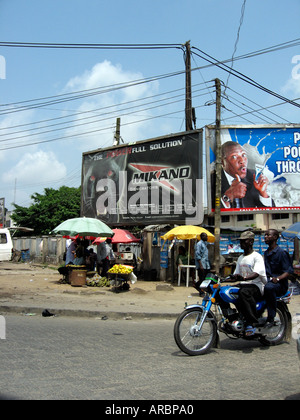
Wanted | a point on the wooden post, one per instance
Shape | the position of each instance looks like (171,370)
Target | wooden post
(218,178)
(188,89)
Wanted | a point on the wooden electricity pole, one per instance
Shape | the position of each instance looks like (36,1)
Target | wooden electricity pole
(117,133)
(188,89)
(218,177)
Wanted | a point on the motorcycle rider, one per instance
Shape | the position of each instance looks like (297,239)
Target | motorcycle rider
(250,272)
(278,268)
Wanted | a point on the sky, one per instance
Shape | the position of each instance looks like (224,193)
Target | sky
(56,103)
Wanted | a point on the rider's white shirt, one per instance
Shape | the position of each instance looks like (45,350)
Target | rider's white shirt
(252,263)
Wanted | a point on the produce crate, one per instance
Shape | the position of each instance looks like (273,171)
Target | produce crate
(77,277)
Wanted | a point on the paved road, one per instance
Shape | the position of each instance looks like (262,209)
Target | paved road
(78,358)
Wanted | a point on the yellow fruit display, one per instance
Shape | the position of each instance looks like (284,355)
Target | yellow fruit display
(120,269)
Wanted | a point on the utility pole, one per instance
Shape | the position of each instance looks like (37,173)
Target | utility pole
(117,133)
(218,177)
(188,89)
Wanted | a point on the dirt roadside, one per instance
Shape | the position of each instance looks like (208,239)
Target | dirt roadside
(29,288)
(33,288)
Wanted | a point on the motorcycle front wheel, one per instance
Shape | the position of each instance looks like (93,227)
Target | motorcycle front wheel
(189,338)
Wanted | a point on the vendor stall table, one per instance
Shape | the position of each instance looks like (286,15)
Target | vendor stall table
(180,267)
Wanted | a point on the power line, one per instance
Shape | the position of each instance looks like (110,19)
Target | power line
(53,100)
(65,137)
(260,108)
(237,39)
(88,46)
(242,76)
(101,109)
(104,116)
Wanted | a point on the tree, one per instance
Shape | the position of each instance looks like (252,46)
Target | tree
(48,210)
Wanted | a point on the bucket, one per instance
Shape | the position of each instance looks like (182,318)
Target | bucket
(77,277)
(25,254)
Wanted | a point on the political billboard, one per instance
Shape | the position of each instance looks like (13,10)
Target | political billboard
(260,168)
(147,182)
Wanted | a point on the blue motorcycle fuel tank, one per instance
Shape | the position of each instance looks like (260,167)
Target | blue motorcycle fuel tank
(229,293)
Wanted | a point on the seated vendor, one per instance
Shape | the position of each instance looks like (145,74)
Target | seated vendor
(182,257)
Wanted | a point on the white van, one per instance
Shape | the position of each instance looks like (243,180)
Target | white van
(6,245)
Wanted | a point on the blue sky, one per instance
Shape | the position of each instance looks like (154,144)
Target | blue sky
(62,131)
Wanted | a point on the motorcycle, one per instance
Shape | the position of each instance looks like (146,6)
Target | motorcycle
(197,328)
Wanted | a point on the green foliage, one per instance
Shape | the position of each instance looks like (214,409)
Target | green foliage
(48,210)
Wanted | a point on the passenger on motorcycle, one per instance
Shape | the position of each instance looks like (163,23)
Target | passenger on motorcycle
(278,268)
(250,272)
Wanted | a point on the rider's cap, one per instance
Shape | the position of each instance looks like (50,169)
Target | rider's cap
(247,235)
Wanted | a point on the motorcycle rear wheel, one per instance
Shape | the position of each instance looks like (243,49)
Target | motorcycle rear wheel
(187,335)
(278,332)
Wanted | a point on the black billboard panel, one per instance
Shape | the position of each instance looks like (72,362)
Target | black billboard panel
(148,182)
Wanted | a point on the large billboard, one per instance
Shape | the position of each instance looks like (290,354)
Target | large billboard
(260,168)
(148,182)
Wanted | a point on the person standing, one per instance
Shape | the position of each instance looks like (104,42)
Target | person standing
(278,268)
(104,256)
(250,272)
(70,252)
(201,258)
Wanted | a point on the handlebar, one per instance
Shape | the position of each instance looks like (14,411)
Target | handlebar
(232,278)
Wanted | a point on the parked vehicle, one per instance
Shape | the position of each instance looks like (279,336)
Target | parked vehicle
(6,245)
(196,329)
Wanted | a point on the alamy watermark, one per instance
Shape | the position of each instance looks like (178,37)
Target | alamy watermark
(296,326)
(2,328)
(296,68)
(152,196)
(2,67)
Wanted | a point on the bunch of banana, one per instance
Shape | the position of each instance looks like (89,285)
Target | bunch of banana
(98,281)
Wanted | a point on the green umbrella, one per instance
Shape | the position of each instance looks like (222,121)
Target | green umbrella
(83,226)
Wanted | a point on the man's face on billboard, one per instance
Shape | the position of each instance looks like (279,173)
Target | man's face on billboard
(235,161)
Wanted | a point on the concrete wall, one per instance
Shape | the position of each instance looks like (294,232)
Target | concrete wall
(44,249)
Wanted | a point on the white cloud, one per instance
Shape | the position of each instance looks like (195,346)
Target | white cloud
(293,84)
(12,126)
(292,87)
(105,108)
(36,167)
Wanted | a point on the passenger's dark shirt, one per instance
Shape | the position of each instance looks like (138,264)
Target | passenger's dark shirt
(278,262)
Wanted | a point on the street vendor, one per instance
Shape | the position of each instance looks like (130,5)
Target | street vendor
(70,252)
(79,252)
(104,256)
(182,257)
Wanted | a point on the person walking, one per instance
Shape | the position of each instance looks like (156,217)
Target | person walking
(201,260)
